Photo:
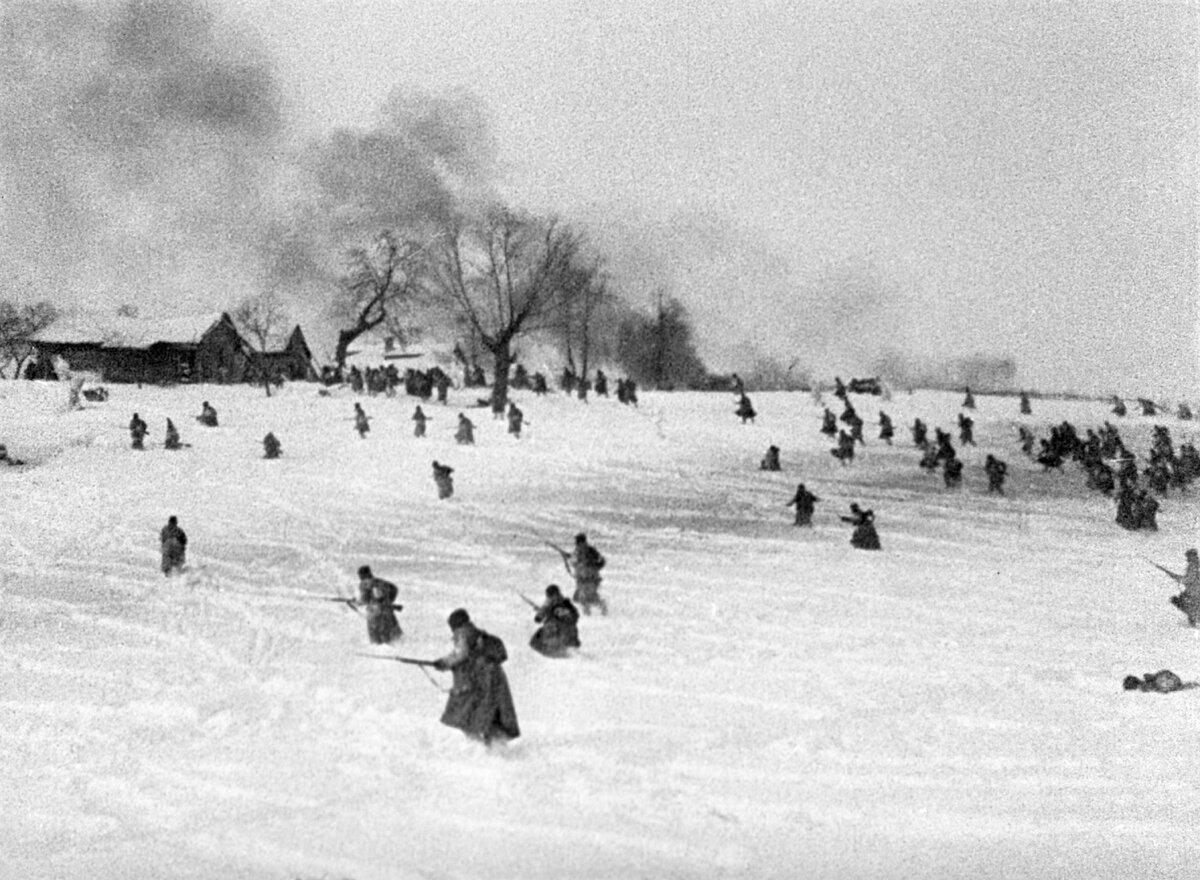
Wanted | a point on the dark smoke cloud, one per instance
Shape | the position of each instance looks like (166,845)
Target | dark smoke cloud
(137,148)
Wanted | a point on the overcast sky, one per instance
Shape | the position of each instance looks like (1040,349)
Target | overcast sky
(823,180)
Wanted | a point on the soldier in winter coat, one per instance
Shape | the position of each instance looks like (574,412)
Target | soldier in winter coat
(1026,409)
(920,433)
(844,451)
(172,439)
(585,564)
(1188,601)
(996,471)
(208,415)
(515,420)
(966,430)
(559,630)
(864,536)
(362,422)
(173,543)
(137,431)
(378,597)
(829,423)
(952,471)
(886,430)
(770,461)
(805,503)
(465,433)
(271,446)
(968,400)
(443,480)
(480,702)
(419,420)
(1118,407)
(745,410)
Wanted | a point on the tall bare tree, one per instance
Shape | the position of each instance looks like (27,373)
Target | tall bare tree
(379,282)
(261,317)
(583,292)
(501,273)
(17,324)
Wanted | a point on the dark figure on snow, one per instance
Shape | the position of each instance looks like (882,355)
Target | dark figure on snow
(465,433)
(844,451)
(805,503)
(137,431)
(173,543)
(443,386)
(1149,408)
(839,388)
(966,430)
(1184,413)
(1050,458)
(601,384)
(864,536)
(1118,407)
(856,428)
(515,420)
(419,420)
(559,630)
(1027,440)
(886,430)
(930,459)
(969,400)
(770,461)
(1162,682)
(631,392)
(6,460)
(996,471)
(480,702)
(1145,510)
(539,384)
(362,422)
(443,480)
(584,565)
(172,439)
(920,433)
(952,471)
(829,423)
(1026,409)
(378,597)
(745,411)
(1188,601)
(272,448)
(208,415)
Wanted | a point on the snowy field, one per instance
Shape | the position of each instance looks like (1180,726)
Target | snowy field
(763,701)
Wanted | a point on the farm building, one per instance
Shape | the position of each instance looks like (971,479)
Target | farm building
(198,348)
(293,362)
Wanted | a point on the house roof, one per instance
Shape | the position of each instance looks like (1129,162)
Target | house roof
(116,331)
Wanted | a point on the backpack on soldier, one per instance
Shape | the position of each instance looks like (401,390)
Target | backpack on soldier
(594,559)
(491,648)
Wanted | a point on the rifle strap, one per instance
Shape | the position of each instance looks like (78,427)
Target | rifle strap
(433,681)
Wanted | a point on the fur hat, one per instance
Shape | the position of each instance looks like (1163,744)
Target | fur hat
(1132,683)
(553,590)
(364,571)
(458,617)
(580,538)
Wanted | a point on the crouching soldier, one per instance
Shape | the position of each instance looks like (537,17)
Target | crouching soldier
(378,597)
(208,415)
(584,565)
(952,470)
(864,536)
(137,431)
(805,503)
(829,423)
(271,446)
(173,543)
(559,619)
(443,480)
(1162,682)
(770,461)
(480,702)
(172,439)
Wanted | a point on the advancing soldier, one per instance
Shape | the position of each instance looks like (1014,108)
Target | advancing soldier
(1026,409)
(829,423)
(559,630)
(419,420)
(952,471)
(864,536)
(173,543)
(445,483)
(515,419)
(745,411)
(1162,682)
(1118,407)
(1188,601)
(585,564)
(362,422)
(805,503)
(966,430)
(1145,511)
(208,415)
(378,597)
(770,461)
(601,384)
(886,430)
(969,400)
(996,471)
(480,702)
(172,440)
(442,383)
(271,446)
(465,434)
(920,433)
(137,431)
(844,451)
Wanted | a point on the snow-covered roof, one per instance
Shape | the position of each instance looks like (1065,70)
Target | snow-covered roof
(117,331)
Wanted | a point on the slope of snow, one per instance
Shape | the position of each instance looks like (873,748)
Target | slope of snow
(763,701)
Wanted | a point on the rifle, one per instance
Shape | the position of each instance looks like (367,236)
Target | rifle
(534,605)
(412,661)
(1178,578)
(566,557)
(355,603)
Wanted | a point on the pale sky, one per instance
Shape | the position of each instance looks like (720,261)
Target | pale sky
(822,180)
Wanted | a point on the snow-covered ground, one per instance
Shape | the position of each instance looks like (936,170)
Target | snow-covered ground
(762,701)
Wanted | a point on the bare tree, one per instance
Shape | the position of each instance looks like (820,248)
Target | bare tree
(261,317)
(502,273)
(17,325)
(379,281)
(583,291)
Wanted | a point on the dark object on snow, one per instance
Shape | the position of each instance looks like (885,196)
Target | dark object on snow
(362,422)
(745,411)
(419,420)
(4,458)
(172,439)
(805,503)
(864,536)
(443,480)
(272,448)
(585,564)
(1162,682)
(379,598)
(559,619)
(996,471)
(173,543)
(886,430)
(952,471)
(480,702)
(137,431)
(208,415)
(770,461)
(96,395)
(865,386)
(465,434)
(969,400)
(1026,409)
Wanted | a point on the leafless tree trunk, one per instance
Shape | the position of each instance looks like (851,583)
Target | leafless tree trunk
(378,282)
(261,317)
